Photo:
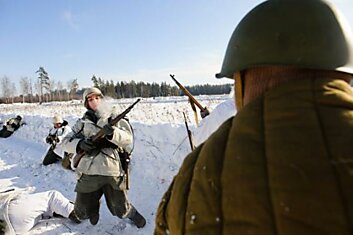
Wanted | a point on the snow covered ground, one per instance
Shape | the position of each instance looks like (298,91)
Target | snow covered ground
(160,146)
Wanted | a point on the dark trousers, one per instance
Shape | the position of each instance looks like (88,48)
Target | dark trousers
(87,204)
(4,133)
(51,157)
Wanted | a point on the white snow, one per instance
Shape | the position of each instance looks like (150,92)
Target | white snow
(160,146)
(210,124)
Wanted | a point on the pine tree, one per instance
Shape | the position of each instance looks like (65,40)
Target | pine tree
(44,84)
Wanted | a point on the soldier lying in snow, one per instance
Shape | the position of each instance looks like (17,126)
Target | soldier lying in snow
(11,125)
(21,210)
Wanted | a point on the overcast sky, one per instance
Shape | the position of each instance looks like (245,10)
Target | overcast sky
(120,40)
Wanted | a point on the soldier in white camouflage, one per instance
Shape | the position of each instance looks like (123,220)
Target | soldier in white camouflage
(11,125)
(100,171)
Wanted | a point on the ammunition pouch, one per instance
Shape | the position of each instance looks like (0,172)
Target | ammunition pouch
(124,183)
(66,162)
(124,160)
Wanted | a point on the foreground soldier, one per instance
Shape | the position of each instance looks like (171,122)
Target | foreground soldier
(21,210)
(100,170)
(54,138)
(283,164)
(11,125)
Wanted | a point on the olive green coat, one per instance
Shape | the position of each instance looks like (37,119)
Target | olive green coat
(282,165)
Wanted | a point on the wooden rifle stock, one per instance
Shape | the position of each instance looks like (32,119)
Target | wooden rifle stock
(100,133)
(203,110)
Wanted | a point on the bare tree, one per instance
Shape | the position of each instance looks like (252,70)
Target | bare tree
(52,85)
(13,91)
(25,87)
(38,88)
(60,88)
(31,89)
(6,88)
(72,86)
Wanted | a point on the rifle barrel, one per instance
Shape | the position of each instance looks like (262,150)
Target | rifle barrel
(187,93)
(189,133)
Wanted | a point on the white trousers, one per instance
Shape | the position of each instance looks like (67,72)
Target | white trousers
(27,209)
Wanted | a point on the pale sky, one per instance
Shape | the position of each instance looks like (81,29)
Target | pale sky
(121,40)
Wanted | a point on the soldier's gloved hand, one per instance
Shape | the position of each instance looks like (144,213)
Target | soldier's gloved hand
(86,145)
(105,143)
(108,131)
(49,140)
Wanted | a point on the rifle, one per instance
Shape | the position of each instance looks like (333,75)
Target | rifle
(203,110)
(100,134)
(52,139)
(189,134)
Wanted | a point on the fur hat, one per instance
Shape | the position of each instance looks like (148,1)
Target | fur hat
(90,91)
(57,119)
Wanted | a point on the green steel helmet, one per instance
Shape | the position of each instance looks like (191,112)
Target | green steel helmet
(303,33)
(89,91)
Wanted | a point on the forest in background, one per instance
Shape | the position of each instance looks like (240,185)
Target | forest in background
(45,89)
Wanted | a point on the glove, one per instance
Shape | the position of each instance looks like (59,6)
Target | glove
(87,145)
(105,143)
(108,130)
(49,140)
(14,125)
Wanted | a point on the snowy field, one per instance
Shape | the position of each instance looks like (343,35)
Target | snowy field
(160,146)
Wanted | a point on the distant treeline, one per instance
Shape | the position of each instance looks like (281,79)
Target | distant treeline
(141,89)
(45,89)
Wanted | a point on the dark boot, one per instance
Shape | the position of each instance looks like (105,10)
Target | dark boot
(138,219)
(55,215)
(94,219)
(73,217)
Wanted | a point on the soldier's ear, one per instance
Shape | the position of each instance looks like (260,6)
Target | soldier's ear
(239,90)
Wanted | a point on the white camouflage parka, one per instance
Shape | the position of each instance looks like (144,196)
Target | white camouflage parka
(60,133)
(13,121)
(5,198)
(106,162)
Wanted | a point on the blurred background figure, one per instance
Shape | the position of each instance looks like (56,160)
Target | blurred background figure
(56,134)
(11,125)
